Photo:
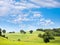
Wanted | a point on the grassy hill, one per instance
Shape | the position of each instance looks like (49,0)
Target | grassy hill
(27,39)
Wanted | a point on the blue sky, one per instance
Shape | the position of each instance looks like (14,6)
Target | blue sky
(29,14)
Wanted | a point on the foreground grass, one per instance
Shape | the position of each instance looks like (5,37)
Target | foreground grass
(4,41)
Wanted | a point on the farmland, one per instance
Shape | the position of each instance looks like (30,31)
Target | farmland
(30,39)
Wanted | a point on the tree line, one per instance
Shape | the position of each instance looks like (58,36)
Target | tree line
(54,31)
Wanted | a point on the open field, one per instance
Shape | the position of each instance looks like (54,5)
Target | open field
(27,39)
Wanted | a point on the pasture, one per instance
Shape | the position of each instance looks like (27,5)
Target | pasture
(27,39)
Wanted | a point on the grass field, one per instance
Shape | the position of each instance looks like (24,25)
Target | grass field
(27,39)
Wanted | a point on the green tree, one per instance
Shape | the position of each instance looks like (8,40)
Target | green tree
(39,29)
(4,31)
(22,31)
(50,34)
(0,32)
(47,36)
(31,31)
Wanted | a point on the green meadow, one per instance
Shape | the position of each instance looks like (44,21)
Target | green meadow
(27,39)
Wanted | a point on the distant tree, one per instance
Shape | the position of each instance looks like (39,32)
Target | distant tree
(58,30)
(4,31)
(22,31)
(45,30)
(54,29)
(0,32)
(31,31)
(10,32)
(39,29)
(13,32)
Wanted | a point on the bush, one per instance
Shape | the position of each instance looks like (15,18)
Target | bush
(40,35)
(18,40)
(24,32)
(51,37)
(6,37)
(3,35)
(57,34)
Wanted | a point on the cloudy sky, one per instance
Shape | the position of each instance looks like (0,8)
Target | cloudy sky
(29,14)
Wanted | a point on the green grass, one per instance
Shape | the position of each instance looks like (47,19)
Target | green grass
(27,39)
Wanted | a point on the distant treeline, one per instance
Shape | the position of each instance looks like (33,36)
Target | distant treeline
(54,31)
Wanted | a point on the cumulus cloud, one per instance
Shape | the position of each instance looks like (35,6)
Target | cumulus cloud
(37,14)
(46,22)
(4,8)
(14,8)
(7,6)
(47,3)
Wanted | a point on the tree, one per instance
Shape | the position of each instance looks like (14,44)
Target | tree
(56,31)
(22,31)
(4,31)
(31,31)
(39,29)
(0,32)
(46,39)
(47,36)
(50,34)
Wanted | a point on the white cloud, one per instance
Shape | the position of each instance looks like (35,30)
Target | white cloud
(31,27)
(27,27)
(37,14)
(20,18)
(46,22)
(8,6)
(14,8)
(47,3)
(4,8)
(23,5)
